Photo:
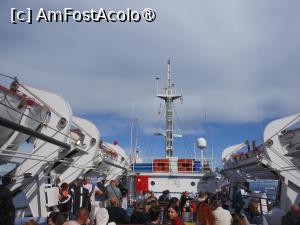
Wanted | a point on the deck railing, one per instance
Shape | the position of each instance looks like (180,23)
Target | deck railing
(181,165)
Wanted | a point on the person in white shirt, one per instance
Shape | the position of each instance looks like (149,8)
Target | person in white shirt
(222,216)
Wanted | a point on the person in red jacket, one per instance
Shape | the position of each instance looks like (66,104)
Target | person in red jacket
(173,212)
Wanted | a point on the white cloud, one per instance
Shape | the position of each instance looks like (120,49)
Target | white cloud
(243,56)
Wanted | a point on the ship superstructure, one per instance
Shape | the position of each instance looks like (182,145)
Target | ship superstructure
(170,172)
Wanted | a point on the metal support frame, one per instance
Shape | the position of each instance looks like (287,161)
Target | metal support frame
(12,125)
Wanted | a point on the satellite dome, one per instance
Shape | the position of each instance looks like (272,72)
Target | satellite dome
(201,143)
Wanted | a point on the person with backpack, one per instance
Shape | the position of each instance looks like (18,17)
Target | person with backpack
(93,191)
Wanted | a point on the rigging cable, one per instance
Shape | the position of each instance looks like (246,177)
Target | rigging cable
(189,151)
(4,75)
(150,145)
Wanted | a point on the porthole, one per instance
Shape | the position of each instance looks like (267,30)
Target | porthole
(92,142)
(193,183)
(269,143)
(61,123)
(152,183)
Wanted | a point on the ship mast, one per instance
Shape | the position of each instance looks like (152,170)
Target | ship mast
(169,96)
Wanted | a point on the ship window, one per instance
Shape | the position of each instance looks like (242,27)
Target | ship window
(161,166)
(152,183)
(193,183)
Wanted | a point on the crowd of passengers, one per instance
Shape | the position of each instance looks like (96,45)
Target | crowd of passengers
(216,209)
(84,203)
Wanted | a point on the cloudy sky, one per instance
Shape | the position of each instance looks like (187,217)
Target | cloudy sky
(238,61)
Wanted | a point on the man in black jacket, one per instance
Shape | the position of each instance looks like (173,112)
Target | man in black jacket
(80,197)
